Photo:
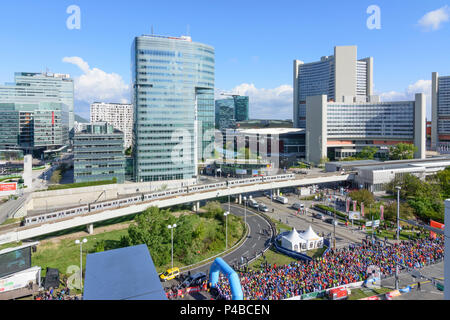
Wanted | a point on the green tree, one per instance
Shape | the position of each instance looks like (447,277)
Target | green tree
(390,211)
(362,195)
(368,153)
(402,151)
(443,178)
(150,228)
(56,177)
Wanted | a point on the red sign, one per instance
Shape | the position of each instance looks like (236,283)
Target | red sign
(8,187)
(437,225)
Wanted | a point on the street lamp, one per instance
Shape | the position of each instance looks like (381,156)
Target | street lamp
(226,229)
(171,227)
(245,211)
(398,212)
(80,242)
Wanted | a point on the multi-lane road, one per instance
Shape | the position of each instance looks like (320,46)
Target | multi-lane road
(258,240)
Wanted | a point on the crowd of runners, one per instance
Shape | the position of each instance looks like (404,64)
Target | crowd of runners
(335,268)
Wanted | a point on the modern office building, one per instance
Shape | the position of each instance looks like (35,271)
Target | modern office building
(34,127)
(225,115)
(341,129)
(283,147)
(173,98)
(48,83)
(241,107)
(334,76)
(119,115)
(231,110)
(264,123)
(35,112)
(98,154)
(440,112)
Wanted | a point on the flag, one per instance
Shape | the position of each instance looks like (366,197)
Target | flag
(362,209)
(347,207)
(382,212)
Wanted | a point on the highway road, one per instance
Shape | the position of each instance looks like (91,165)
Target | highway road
(344,235)
(256,242)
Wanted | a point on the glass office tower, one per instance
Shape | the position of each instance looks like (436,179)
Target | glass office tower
(173,97)
(241,108)
(51,84)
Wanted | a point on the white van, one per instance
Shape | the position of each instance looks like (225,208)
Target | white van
(252,203)
(298,206)
(282,200)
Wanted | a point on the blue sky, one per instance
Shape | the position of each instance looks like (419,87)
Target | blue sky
(255,42)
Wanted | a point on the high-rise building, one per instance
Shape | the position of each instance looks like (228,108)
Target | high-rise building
(98,154)
(440,112)
(50,84)
(173,98)
(32,119)
(231,110)
(334,76)
(119,115)
(341,129)
(225,115)
(241,108)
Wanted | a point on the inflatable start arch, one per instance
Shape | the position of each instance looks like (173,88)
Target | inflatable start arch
(235,284)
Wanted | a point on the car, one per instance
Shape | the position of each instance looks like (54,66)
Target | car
(332,221)
(263,207)
(282,200)
(319,216)
(298,206)
(267,194)
(193,280)
(170,274)
(252,203)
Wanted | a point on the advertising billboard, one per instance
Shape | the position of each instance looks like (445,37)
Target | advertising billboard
(354,215)
(7,189)
(15,261)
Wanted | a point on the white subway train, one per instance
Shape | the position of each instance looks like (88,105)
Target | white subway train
(98,206)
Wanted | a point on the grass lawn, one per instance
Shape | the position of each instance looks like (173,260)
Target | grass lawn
(10,221)
(280,225)
(392,235)
(272,257)
(366,292)
(61,254)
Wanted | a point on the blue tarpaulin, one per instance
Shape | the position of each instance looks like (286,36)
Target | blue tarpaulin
(122,274)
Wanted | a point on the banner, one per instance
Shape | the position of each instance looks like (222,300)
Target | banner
(354,215)
(437,225)
(381,212)
(347,207)
(362,209)
(354,205)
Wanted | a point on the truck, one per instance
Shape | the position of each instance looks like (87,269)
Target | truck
(282,200)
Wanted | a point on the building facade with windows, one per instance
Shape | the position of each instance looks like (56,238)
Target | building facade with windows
(35,112)
(173,98)
(339,130)
(98,154)
(119,115)
(334,76)
(440,112)
(230,111)
(49,85)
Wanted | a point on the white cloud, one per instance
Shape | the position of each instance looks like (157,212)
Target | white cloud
(434,19)
(97,85)
(420,86)
(276,103)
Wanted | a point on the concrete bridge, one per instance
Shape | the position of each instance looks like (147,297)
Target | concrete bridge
(88,219)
